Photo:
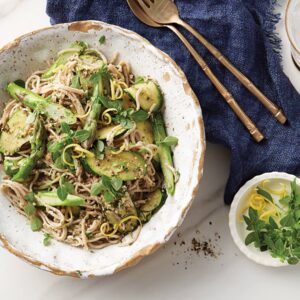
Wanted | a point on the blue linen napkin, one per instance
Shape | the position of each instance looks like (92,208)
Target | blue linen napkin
(243,31)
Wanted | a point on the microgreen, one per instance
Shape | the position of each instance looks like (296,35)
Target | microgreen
(30,197)
(101,73)
(109,187)
(99,150)
(281,237)
(36,223)
(116,183)
(140,116)
(81,135)
(29,209)
(65,128)
(65,188)
(102,39)
(107,103)
(47,239)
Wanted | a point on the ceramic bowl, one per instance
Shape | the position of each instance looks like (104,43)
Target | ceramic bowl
(183,119)
(238,227)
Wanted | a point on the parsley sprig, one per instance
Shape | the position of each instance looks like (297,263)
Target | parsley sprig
(282,237)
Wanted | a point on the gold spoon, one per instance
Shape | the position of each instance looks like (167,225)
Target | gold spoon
(166,12)
(253,130)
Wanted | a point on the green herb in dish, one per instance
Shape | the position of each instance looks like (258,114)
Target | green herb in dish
(274,225)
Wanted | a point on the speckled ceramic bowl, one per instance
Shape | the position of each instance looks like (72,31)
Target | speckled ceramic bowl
(183,118)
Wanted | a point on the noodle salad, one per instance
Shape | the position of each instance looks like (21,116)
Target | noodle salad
(84,149)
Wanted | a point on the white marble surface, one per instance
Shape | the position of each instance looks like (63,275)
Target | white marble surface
(173,272)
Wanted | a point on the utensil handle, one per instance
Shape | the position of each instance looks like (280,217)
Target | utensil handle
(273,108)
(248,123)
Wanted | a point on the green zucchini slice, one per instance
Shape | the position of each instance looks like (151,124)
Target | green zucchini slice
(104,132)
(12,139)
(153,202)
(150,97)
(126,165)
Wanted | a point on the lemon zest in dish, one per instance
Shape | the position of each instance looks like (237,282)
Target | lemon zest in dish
(117,226)
(78,149)
(106,117)
(116,90)
(264,207)
(85,115)
(282,192)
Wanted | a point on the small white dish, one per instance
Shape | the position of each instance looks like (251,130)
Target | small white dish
(238,228)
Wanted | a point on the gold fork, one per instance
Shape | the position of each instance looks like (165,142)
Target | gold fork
(166,12)
(246,121)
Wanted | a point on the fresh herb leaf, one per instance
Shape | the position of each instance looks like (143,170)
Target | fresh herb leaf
(264,193)
(69,187)
(62,193)
(36,223)
(99,148)
(170,141)
(287,221)
(251,238)
(29,209)
(106,181)
(30,197)
(47,239)
(65,128)
(102,39)
(103,72)
(116,183)
(81,135)
(107,103)
(65,188)
(294,188)
(285,200)
(109,187)
(109,196)
(140,116)
(97,188)
(58,163)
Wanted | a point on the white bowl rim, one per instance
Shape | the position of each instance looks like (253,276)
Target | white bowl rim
(85,26)
(254,256)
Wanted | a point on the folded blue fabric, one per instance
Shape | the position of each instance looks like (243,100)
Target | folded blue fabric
(242,30)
